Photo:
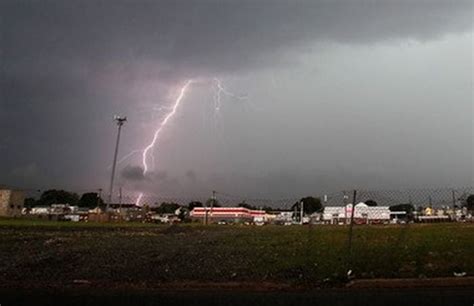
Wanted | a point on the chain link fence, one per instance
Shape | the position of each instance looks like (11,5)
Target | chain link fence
(324,240)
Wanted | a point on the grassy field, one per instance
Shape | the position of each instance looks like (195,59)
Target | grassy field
(33,252)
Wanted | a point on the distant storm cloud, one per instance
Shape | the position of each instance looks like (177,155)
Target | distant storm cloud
(133,173)
(191,175)
(185,38)
(28,172)
(66,67)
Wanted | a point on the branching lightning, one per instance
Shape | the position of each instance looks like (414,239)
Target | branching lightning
(162,125)
(139,199)
(130,154)
(158,132)
(219,91)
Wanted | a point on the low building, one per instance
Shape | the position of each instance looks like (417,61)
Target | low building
(284,218)
(11,202)
(39,210)
(363,214)
(164,218)
(62,209)
(227,214)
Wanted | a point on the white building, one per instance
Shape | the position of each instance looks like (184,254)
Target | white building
(363,214)
(40,210)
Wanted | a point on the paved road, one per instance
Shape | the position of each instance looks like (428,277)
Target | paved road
(335,297)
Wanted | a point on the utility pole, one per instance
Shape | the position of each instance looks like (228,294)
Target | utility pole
(205,214)
(99,197)
(120,121)
(454,199)
(453,215)
(295,214)
(301,212)
(354,198)
(212,202)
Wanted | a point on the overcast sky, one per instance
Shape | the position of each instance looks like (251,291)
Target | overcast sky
(327,95)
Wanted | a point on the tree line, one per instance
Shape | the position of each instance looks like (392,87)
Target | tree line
(56,196)
(93,199)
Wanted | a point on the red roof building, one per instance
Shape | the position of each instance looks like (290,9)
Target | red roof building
(228,214)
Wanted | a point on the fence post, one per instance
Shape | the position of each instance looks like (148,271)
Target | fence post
(351,225)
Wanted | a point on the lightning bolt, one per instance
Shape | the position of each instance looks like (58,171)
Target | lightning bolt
(158,132)
(162,125)
(219,91)
(139,199)
(130,154)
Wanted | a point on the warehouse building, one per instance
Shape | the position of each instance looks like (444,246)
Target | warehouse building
(363,214)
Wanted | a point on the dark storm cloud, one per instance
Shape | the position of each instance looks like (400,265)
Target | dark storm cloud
(132,173)
(191,175)
(67,65)
(187,37)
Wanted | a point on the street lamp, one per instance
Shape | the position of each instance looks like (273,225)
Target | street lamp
(120,121)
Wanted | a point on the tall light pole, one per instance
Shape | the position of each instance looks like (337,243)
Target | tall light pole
(120,121)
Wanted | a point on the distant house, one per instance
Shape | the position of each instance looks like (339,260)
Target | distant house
(11,202)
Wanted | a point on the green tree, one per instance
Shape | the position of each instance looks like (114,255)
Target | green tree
(370,203)
(183,213)
(167,208)
(54,196)
(245,205)
(310,205)
(470,202)
(193,204)
(408,208)
(30,202)
(90,200)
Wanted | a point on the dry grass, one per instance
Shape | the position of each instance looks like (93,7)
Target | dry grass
(55,252)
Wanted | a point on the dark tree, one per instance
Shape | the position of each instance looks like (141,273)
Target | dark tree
(213,203)
(268,208)
(370,203)
(245,205)
(470,202)
(54,196)
(90,200)
(193,204)
(409,209)
(183,213)
(310,205)
(167,208)
(30,202)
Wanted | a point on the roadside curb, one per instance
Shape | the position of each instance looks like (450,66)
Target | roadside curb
(447,282)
